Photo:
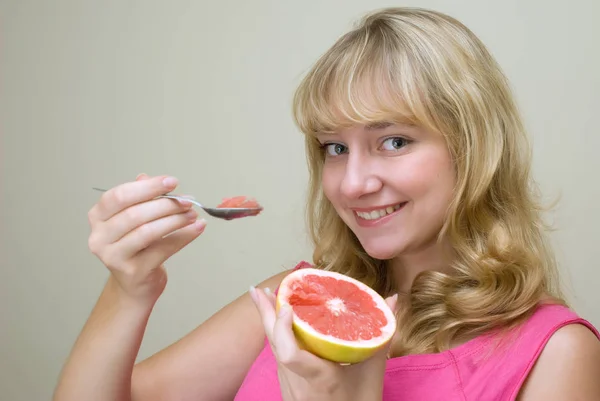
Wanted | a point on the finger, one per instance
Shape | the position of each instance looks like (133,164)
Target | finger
(159,252)
(270,296)
(382,354)
(149,233)
(392,302)
(137,215)
(125,195)
(377,361)
(283,336)
(287,350)
(265,309)
(143,176)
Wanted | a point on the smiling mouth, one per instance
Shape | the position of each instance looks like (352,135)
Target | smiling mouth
(379,213)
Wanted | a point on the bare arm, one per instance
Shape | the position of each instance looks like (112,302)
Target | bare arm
(133,234)
(567,369)
(211,362)
(99,367)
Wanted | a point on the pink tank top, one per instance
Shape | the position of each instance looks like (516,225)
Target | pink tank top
(480,369)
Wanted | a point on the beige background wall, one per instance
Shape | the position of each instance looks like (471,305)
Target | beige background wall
(93,93)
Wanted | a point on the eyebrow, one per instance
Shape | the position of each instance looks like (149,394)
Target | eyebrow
(374,126)
(378,125)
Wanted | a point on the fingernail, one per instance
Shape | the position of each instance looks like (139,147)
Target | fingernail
(170,182)
(184,202)
(191,214)
(199,225)
(268,291)
(185,205)
(252,292)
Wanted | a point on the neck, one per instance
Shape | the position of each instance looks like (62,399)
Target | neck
(405,268)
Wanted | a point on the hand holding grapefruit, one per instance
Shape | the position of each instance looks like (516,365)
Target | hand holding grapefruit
(335,316)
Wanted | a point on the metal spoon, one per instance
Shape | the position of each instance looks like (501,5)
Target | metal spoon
(226,213)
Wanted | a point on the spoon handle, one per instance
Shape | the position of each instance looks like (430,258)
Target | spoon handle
(180,198)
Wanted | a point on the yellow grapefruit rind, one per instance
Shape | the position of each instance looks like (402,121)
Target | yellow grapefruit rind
(328,347)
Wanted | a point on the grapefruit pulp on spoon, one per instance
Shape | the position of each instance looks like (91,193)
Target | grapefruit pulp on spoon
(335,316)
(242,202)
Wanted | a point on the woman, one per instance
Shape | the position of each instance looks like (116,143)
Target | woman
(420,187)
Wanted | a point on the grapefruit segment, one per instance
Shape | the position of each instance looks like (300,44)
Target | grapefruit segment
(242,202)
(335,316)
(239,202)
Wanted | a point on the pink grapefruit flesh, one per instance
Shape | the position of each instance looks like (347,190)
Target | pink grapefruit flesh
(239,202)
(243,202)
(335,316)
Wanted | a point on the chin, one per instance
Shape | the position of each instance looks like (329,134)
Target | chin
(380,249)
(382,254)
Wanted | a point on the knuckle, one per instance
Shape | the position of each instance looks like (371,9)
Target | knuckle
(112,259)
(287,359)
(93,245)
(145,234)
(91,215)
(96,243)
(131,214)
(169,206)
(129,271)
(119,196)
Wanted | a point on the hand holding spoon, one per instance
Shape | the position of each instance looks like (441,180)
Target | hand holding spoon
(225,213)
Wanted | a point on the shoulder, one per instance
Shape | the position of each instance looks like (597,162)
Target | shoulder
(274,281)
(567,368)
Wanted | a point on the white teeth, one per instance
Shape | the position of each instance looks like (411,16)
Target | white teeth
(376,214)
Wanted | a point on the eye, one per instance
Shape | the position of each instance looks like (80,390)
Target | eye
(335,149)
(395,143)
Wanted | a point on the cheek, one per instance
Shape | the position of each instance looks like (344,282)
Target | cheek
(329,182)
(442,182)
(434,176)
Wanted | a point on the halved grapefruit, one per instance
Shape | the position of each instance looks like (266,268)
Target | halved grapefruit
(335,316)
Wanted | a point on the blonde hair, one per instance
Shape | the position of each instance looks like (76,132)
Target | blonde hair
(426,68)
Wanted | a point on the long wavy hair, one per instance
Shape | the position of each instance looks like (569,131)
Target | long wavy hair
(426,68)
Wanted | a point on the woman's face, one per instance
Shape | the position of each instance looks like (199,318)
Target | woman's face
(390,183)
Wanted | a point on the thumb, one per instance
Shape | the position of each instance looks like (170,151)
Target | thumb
(392,302)
(382,354)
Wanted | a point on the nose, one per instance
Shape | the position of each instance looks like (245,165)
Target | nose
(360,177)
